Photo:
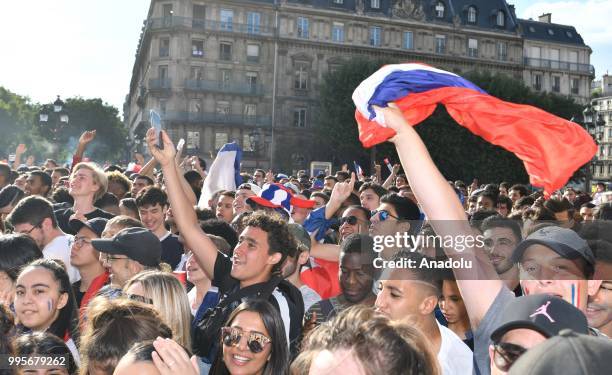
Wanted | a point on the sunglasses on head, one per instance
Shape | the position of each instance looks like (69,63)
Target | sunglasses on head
(505,354)
(384,215)
(256,342)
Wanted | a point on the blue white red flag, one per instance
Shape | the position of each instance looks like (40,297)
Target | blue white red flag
(224,173)
(550,147)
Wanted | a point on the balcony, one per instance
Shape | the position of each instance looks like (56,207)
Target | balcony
(218,119)
(209,25)
(559,65)
(160,83)
(225,87)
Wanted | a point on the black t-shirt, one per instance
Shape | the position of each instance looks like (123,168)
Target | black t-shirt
(172,250)
(63,217)
(77,292)
(286,298)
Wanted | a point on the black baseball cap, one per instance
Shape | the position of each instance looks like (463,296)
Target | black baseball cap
(96,225)
(567,353)
(562,241)
(542,313)
(138,244)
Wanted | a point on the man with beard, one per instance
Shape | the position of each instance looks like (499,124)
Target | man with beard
(501,236)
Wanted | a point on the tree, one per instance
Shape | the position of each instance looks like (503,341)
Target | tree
(16,114)
(458,153)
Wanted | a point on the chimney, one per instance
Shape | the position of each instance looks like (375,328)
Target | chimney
(545,18)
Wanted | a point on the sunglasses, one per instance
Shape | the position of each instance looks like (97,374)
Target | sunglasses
(384,215)
(506,354)
(231,336)
(350,220)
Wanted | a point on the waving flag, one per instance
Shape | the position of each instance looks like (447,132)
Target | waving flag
(550,147)
(224,173)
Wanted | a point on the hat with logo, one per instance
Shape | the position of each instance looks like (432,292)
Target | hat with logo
(542,313)
(96,225)
(567,353)
(138,244)
(279,196)
(301,236)
(562,241)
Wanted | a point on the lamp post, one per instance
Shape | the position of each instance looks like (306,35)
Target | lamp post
(594,124)
(53,119)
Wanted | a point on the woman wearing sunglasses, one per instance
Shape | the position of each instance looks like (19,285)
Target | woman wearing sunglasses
(253,341)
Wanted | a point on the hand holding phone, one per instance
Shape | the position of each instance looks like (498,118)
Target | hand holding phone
(155,120)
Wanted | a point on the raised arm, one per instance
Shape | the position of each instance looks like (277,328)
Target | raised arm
(340,192)
(389,181)
(478,286)
(202,247)
(19,151)
(84,140)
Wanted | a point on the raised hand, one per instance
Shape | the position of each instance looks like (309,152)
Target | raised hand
(343,190)
(21,149)
(164,157)
(394,119)
(171,359)
(269,177)
(396,169)
(87,137)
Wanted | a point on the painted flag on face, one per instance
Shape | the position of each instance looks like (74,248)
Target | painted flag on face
(550,147)
(224,173)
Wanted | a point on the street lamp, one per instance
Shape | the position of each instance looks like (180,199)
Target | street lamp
(53,119)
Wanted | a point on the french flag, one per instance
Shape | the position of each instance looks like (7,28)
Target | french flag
(224,173)
(550,147)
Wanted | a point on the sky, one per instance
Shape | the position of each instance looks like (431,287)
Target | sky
(86,47)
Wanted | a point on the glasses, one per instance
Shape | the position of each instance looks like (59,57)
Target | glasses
(505,354)
(232,336)
(27,232)
(110,258)
(136,297)
(79,241)
(384,215)
(350,220)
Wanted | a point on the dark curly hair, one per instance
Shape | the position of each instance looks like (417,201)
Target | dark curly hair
(279,238)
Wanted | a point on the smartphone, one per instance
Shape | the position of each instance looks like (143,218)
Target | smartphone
(156,124)
(180,145)
(11,158)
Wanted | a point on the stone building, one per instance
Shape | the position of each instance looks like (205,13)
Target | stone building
(250,70)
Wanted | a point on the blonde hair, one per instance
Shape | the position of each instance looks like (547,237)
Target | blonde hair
(99,177)
(169,299)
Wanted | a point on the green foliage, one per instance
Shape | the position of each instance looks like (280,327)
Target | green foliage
(457,152)
(19,124)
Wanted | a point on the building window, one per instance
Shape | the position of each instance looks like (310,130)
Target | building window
(253,53)
(167,14)
(375,34)
(299,118)
(225,78)
(338,1)
(246,142)
(471,14)
(439,9)
(502,51)
(551,32)
(222,110)
(195,73)
(440,44)
(193,140)
(302,27)
(199,15)
(338,32)
(575,86)
(197,48)
(500,19)
(251,80)
(301,77)
(472,47)
(556,86)
(225,51)
(162,72)
(408,40)
(220,140)
(537,82)
(162,106)
(227,19)
(253,22)
(164,47)
(250,113)
(375,4)
(195,106)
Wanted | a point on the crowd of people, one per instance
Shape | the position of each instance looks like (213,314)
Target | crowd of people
(119,270)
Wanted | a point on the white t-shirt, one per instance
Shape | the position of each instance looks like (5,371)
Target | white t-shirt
(454,356)
(59,248)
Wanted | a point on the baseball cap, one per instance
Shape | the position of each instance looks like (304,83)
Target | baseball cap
(138,244)
(562,241)
(301,236)
(542,313)
(96,225)
(567,353)
(281,176)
